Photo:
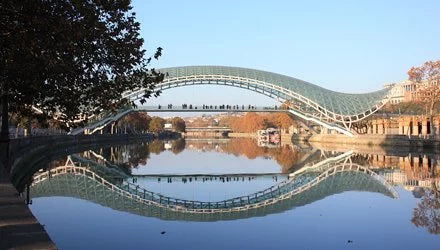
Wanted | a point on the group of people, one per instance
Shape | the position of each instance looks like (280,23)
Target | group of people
(216,178)
(223,106)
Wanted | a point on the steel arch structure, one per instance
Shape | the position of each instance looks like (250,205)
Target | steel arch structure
(308,99)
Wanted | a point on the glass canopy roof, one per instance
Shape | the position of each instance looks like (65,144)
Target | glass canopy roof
(336,102)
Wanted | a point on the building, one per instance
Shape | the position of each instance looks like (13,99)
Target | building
(403,91)
(406,91)
(398,93)
(168,126)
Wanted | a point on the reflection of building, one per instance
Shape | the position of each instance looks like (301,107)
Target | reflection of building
(400,178)
(409,171)
(269,137)
(168,145)
(168,126)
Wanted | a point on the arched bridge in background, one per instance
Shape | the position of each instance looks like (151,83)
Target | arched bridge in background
(330,109)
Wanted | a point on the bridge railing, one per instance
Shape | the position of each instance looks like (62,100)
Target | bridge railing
(268,193)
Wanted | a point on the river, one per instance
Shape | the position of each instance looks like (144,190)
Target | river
(233,194)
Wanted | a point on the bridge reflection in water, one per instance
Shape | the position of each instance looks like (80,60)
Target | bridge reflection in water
(84,180)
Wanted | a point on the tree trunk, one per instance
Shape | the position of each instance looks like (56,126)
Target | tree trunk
(4,135)
(433,179)
(431,116)
(29,127)
(431,110)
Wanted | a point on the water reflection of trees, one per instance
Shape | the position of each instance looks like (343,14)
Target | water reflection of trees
(427,212)
(131,156)
(178,146)
(156,147)
(285,156)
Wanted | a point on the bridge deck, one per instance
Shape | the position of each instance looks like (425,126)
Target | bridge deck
(211,108)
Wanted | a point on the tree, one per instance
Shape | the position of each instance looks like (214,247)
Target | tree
(178,124)
(157,125)
(282,120)
(251,122)
(428,78)
(140,121)
(68,59)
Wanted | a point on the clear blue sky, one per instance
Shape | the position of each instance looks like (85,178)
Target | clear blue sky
(347,46)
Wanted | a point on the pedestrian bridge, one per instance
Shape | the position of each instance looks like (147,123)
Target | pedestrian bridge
(305,186)
(307,101)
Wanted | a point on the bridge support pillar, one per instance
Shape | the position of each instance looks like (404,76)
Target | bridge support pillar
(415,127)
(426,126)
(380,127)
(112,128)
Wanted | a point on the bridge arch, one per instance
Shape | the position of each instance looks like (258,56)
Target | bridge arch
(86,185)
(299,183)
(309,99)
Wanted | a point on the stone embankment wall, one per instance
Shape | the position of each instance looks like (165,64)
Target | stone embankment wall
(377,140)
(407,131)
(403,125)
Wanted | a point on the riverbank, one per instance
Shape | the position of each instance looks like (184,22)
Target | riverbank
(377,140)
(19,229)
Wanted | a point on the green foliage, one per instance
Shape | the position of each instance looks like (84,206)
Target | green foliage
(71,58)
(157,125)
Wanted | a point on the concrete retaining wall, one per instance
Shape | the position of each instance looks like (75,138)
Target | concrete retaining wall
(378,140)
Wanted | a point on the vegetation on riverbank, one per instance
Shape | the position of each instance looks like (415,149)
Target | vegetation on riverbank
(247,123)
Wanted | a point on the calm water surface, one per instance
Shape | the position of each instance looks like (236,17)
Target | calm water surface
(314,198)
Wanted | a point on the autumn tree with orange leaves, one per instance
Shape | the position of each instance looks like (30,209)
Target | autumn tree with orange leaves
(251,122)
(428,78)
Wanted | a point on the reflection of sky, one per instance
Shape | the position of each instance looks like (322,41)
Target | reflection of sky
(193,162)
(208,190)
(370,220)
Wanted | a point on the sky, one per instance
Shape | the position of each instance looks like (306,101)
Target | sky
(346,46)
